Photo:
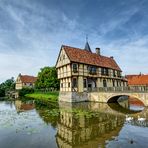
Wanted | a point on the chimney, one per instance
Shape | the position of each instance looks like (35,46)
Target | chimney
(98,51)
(112,57)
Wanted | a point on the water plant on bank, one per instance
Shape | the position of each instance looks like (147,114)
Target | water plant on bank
(44,98)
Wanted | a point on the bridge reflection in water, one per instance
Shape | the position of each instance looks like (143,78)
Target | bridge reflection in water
(87,125)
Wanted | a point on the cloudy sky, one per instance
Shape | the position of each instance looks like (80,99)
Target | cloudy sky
(32,32)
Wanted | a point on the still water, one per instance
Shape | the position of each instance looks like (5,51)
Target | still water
(81,125)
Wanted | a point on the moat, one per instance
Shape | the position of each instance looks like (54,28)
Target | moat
(24,124)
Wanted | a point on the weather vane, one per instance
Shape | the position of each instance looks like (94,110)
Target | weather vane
(86,37)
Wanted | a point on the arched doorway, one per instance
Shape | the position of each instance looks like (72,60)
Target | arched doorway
(91,83)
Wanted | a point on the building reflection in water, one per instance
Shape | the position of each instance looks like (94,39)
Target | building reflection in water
(87,125)
(124,102)
(24,106)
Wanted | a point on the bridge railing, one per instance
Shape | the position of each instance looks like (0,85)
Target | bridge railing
(120,89)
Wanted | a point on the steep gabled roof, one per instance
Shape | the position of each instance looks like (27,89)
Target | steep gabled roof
(86,57)
(137,79)
(28,79)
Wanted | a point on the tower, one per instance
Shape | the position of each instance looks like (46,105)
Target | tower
(87,47)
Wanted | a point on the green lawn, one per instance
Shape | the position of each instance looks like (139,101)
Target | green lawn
(49,96)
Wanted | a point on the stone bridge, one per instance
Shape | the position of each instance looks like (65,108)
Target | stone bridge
(106,96)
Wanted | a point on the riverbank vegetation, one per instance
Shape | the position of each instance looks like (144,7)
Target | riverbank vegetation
(44,97)
(25,91)
(46,86)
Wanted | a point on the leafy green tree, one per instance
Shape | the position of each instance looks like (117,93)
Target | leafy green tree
(8,85)
(47,78)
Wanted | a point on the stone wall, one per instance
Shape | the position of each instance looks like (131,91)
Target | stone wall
(73,96)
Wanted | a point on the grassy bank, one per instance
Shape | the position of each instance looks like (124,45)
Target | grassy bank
(44,97)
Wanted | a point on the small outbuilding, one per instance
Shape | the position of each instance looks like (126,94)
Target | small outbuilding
(25,81)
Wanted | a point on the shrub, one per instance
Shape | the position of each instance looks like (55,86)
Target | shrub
(25,91)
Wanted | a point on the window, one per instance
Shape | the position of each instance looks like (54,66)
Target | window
(75,67)
(61,85)
(120,83)
(92,69)
(74,82)
(118,73)
(104,83)
(68,84)
(104,71)
(114,73)
(85,83)
(113,83)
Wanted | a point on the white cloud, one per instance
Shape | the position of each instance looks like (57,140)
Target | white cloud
(36,34)
(117,21)
(12,65)
(130,55)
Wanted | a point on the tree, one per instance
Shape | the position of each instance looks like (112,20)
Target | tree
(2,92)
(47,78)
(8,85)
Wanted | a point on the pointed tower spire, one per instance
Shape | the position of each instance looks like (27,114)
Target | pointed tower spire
(87,47)
(86,38)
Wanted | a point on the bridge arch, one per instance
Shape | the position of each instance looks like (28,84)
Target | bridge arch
(105,96)
(114,98)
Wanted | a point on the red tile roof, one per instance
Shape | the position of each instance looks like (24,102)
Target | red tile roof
(137,79)
(130,76)
(86,57)
(28,79)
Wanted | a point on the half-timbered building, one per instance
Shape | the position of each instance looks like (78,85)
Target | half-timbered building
(81,70)
(24,81)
